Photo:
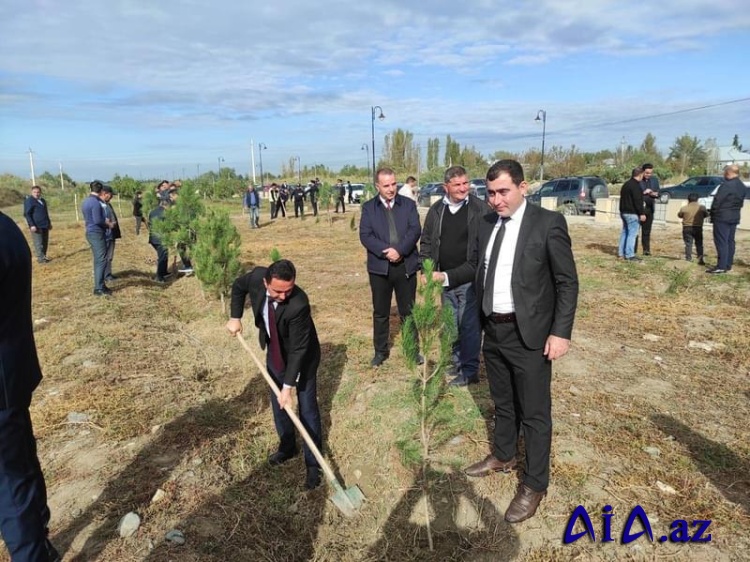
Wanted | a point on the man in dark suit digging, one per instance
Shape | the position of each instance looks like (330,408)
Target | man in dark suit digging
(287,332)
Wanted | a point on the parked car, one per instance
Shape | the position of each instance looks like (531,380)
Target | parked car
(357,190)
(702,185)
(708,200)
(478,187)
(430,189)
(576,194)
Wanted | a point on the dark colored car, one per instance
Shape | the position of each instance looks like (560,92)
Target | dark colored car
(576,194)
(702,185)
(425,193)
(478,187)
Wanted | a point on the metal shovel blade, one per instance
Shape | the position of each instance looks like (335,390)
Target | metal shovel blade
(347,501)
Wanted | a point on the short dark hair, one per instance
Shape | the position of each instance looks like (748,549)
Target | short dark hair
(162,182)
(96,186)
(384,172)
(508,166)
(410,178)
(139,192)
(281,269)
(637,171)
(647,166)
(453,172)
(692,197)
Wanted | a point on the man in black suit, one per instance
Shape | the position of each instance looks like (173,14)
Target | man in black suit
(527,287)
(287,332)
(389,230)
(24,515)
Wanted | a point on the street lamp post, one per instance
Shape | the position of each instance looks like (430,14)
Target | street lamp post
(299,170)
(381,117)
(261,148)
(220,160)
(543,119)
(366,148)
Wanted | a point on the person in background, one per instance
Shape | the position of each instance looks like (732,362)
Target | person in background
(273,195)
(313,193)
(112,234)
(409,189)
(24,514)
(95,220)
(37,217)
(251,202)
(725,215)
(298,195)
(650,190)
(632,214)
(138,212)
(162,253)
(693,214)
(340,195)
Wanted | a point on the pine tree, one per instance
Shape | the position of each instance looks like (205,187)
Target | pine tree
(433,328)
(216,253)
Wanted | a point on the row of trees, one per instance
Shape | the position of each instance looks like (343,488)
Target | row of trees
(686,156)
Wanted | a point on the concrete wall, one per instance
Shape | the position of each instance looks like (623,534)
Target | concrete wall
(607,210)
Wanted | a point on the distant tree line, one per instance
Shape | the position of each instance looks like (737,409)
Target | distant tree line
(686,156)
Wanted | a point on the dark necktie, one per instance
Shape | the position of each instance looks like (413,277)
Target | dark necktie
(392,232)
(489,280)
(275,360)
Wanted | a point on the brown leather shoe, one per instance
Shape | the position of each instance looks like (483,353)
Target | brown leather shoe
(524,504)
(489,465)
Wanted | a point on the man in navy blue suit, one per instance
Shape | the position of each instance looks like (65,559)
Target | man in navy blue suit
(37,217)
(389,230)
(24,515)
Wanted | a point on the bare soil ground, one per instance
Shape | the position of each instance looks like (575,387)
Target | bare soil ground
(145,391)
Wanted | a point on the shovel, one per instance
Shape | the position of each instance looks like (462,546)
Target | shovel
(348,500)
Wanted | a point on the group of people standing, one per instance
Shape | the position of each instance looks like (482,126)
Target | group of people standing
(637,204)
(102,231)
(507,271)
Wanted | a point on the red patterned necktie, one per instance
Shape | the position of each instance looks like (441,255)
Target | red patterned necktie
(275,360)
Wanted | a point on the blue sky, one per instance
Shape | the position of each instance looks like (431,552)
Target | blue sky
(167,88)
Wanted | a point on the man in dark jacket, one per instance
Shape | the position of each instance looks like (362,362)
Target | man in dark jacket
(389,230)
(631,213)
(286,330)
(725,214)
(138,212)
(96,229)
(162,254)
(112,234)
(448,228)
(251,202)
(37,217)
(24,515)
(650,190)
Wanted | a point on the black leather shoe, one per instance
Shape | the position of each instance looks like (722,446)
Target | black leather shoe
(280,457)
(461,380)
(378,359)
(312,480)
(102,293)
(524,504)
(489,465)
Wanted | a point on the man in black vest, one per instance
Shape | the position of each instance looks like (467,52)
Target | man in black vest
(448,227)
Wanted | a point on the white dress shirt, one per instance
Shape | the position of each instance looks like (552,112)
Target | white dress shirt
(502,299)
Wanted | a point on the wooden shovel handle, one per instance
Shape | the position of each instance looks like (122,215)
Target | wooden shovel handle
(290,411)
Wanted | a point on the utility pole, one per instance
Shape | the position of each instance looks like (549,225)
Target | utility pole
(419,162)
(622,150)
(62,184)
(252,160)
(31,161)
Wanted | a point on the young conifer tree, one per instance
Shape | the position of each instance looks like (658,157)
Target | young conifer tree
(430,329)
(216,253)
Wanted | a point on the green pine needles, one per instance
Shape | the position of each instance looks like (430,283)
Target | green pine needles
(432,328)
(216,253)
